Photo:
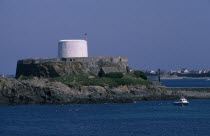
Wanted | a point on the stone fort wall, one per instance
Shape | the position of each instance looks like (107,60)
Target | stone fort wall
(53,67)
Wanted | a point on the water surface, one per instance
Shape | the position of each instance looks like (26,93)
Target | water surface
(134,119)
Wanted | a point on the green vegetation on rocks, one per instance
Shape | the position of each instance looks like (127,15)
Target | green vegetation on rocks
(114,75)
(140,74)
(78,80)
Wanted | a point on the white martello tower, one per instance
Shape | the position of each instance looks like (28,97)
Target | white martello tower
(72,48)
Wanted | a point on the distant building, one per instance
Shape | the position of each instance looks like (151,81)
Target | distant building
(184,71)
(206,71)
(152,72)
(200,72)
(72,59)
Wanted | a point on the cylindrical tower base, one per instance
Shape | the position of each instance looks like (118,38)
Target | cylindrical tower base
(72,48)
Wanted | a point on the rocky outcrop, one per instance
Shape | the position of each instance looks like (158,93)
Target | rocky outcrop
(42,91)
(190,92)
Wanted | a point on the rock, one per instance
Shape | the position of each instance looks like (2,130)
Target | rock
(43,91)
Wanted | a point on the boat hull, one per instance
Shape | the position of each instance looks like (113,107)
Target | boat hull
(181,104)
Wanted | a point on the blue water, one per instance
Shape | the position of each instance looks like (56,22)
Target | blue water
(149,118)
(141,118)
(185,82)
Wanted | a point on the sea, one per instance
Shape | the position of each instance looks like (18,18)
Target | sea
(144,118)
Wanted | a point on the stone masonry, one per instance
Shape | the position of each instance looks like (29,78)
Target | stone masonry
(54,67)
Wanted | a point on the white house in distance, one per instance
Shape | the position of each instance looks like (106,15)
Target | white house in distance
(152,72)
(184,71)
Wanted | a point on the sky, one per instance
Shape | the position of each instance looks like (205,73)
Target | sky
(165,34)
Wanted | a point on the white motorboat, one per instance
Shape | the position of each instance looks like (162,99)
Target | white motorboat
(181,102)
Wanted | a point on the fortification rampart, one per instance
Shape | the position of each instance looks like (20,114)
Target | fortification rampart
(53,67)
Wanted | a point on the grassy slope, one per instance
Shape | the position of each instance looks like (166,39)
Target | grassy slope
(90,80)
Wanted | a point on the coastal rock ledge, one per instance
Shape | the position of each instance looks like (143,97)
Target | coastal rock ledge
(43,91)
